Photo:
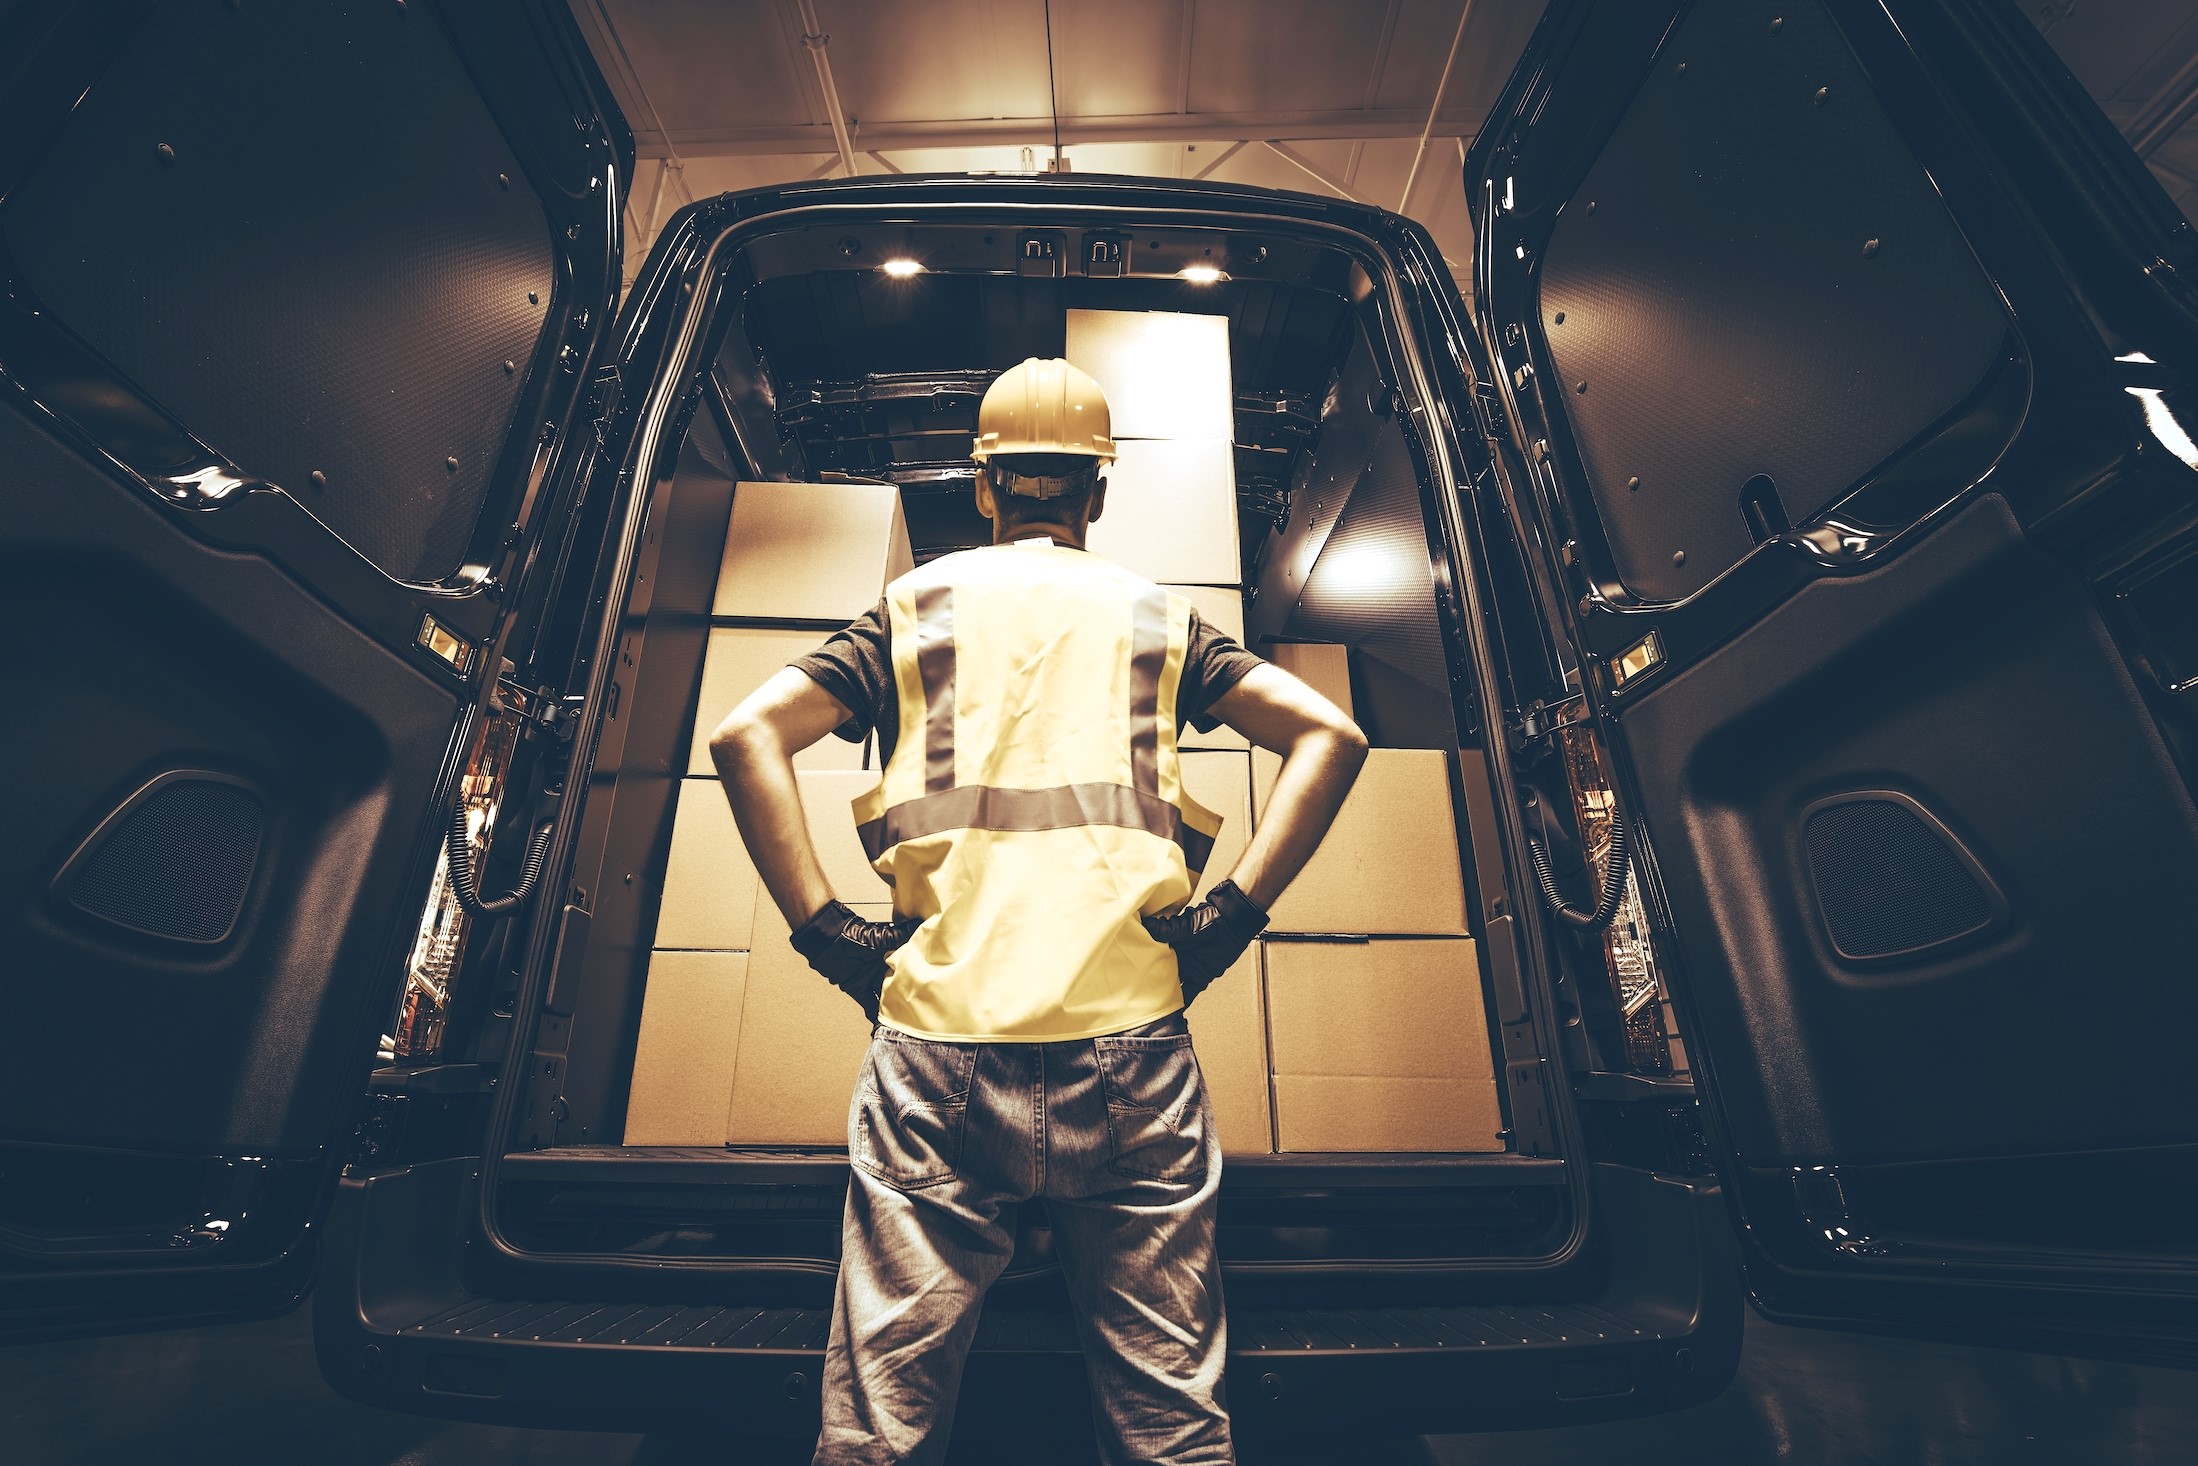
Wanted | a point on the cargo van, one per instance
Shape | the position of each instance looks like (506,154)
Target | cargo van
(1770,601)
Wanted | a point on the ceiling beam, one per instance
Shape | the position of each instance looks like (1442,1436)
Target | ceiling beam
(814,38)
(1218,159)
(1313,170)
(981,132)
(1465,13)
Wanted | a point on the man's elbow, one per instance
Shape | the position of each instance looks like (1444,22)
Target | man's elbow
(1350,743)
(738,738)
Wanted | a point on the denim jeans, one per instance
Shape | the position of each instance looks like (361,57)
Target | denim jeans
(1117,1137)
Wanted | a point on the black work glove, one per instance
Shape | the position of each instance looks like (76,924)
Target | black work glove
(850,952)
(1209,937)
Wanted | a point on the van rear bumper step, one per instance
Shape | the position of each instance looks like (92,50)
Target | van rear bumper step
(400,1341)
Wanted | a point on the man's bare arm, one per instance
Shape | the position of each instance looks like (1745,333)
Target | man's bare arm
(754,752)
(1321,750)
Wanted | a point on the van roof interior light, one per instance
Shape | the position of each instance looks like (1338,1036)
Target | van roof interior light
(901,269)
(1200,274)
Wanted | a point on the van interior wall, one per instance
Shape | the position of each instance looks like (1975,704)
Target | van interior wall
(1363,590)
(630,803)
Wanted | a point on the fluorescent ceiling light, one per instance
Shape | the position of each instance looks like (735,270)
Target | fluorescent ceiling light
(902,269)
(1200,274)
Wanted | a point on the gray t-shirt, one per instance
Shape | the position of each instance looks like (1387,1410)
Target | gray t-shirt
(855,665)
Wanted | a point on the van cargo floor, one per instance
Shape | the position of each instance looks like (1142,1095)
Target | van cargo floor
(421,1320)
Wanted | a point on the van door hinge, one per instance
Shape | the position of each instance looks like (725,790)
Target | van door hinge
(1542,718)
(543,709)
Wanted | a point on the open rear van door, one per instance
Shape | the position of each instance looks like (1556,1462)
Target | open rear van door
(1853,363)
(298,302)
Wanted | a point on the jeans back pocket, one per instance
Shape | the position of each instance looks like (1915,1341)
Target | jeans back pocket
(1156,1105)
(911,1109)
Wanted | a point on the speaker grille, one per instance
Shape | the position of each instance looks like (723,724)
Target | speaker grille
(1888,881)
(175,863)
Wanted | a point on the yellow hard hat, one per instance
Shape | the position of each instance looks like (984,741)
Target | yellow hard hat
(1044,405)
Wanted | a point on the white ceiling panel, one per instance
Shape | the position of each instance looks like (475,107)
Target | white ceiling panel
(705,63)
(1297,55)
(941,59)
(1122,59)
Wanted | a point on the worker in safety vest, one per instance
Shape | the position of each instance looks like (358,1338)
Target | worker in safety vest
(1028,995)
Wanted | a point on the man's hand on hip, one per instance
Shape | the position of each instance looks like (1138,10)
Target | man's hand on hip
(1210,936)
(850,952)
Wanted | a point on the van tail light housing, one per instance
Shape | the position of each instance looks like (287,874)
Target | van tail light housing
(438,950)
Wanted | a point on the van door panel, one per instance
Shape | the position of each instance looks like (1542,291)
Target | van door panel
(297,300)
(1919,839)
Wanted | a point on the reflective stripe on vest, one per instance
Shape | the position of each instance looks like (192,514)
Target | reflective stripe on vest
(1033,810)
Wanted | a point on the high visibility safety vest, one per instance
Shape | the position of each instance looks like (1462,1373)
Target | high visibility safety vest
(1033,809)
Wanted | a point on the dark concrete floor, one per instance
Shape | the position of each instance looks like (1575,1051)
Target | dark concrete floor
(250,1395)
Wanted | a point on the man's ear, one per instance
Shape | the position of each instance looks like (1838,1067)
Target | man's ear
(1098,497)
(987,505)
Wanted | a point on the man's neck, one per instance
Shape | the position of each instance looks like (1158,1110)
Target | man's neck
(1060,534)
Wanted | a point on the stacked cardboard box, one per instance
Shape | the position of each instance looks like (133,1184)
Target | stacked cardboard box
(800,560)
(1170,515)
(1374,997)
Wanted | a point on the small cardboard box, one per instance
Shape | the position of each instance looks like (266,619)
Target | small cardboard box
(1223,610)
(740,660)
(801,1045)
(1389,864)
(1170,512)
(1229,1035)
(1380,1045)
(810,552)
(1221,780)
(690,1036)
(1323,666)
(1165,373)
(709,883)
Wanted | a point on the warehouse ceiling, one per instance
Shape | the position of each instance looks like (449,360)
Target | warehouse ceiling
(1367,99)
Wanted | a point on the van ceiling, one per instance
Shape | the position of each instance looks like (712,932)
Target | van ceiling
(844,325)
(1310,95)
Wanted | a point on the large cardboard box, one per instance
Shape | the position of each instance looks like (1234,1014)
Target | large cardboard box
(690,1036)
(801,1045)
(1165,373)
(740,660)
(1380,1045)
(1220,779)
(710,883)
(810,552)
(1389,864)
(1229,1034)
(1323,666)
(1221,608)
(1170,512)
